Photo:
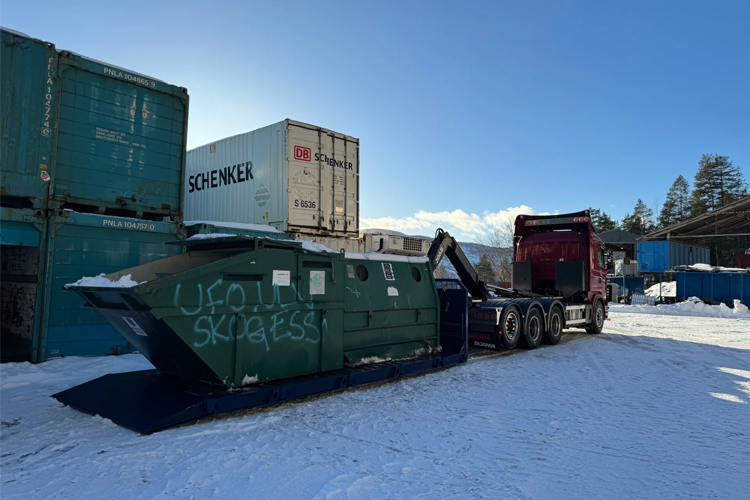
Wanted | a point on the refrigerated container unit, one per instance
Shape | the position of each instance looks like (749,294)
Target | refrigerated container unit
(81,245)
(295,177)
(663,256)
(22,243)
(89,136)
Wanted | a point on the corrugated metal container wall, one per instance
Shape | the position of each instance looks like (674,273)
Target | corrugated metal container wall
(663,256)
(98,136)
(87,245)
(290,175)
(723,287)
(22,241)
(27,69)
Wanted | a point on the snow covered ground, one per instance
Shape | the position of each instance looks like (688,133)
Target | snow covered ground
(655,407)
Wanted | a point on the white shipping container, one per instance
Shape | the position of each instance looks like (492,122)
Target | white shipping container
(290,175)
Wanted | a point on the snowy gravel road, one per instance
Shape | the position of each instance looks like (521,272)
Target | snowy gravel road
(656,407)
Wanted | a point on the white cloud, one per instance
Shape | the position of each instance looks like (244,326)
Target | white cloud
(465,225)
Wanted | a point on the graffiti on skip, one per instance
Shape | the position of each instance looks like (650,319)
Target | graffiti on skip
(243,320)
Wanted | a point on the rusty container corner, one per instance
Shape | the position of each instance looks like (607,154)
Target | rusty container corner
(22,250)
(233,313)
(87,245)
(88,136)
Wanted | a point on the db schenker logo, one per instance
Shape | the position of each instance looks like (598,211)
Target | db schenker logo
(302,153)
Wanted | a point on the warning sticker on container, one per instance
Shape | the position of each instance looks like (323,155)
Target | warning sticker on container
(281,278)
(45,176)
(317,282)
(388,271)
(392,291)
(135,326)
(350,270)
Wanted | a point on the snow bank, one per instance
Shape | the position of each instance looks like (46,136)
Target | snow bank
(691,307)
(102,281)
(236,225)
(211,236)
(668,289)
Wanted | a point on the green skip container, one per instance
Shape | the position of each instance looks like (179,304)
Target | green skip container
(236,311)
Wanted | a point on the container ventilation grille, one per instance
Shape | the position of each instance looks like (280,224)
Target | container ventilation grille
(413,244)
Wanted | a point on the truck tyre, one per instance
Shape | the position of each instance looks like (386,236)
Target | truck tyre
(597,319)
(533,329)
(553,333)
(511,327)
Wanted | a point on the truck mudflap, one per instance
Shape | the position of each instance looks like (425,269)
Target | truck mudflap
(152,400)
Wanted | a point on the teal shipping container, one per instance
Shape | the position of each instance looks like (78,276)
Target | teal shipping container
(663,256)
(22,242)
(88,136)
(87,245)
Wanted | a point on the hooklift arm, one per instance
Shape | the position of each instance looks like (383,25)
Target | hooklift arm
(445,244)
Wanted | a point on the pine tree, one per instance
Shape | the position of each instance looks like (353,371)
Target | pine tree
(642,220)
(601,221)
(485,270)
(717,183)
(677,207)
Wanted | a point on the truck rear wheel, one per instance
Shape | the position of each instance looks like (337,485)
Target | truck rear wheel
(511,327)
(553,334)
(533,329)
(597,319)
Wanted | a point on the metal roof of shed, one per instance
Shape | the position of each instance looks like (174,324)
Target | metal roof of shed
(731,220)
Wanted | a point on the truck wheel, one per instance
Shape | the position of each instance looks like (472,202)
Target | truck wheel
(510,327)
(553,334)
(533,329)
(597,320)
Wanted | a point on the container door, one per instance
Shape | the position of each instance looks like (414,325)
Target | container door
(344,184)
(323,180)
(20,296)
(121,145)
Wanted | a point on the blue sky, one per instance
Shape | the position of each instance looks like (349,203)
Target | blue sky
(464,109)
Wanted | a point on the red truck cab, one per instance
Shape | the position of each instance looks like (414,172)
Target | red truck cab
(564,255)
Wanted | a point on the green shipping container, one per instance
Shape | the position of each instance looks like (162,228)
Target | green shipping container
(85,135)
(22,241)
(87,245)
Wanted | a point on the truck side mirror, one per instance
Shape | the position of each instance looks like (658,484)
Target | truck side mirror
(610,262)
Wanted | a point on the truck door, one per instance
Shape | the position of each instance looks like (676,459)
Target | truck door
(598,272)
